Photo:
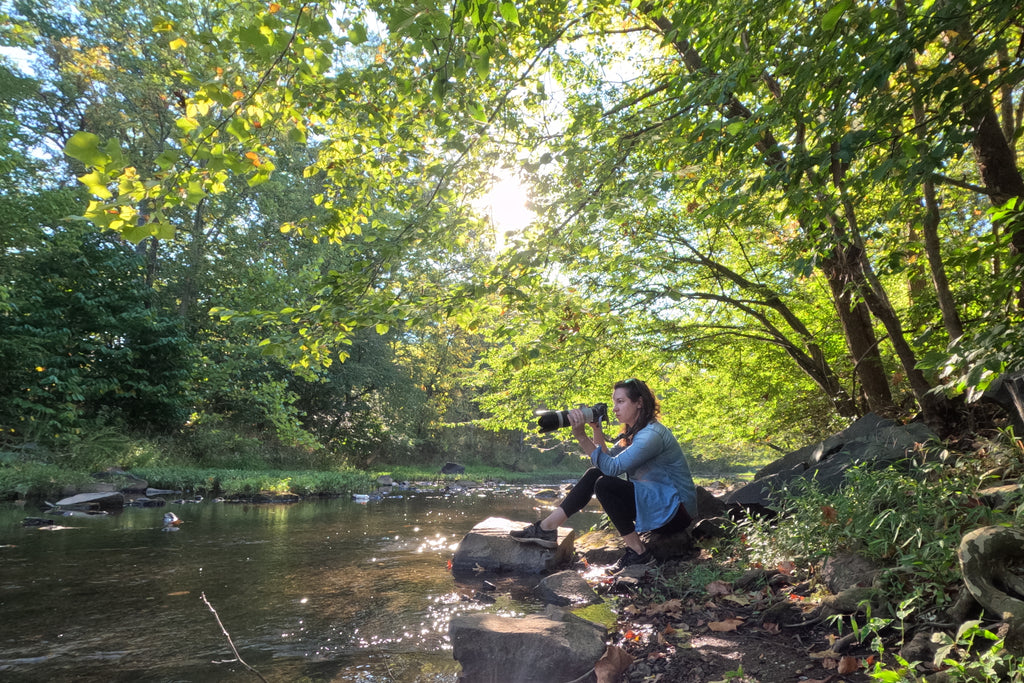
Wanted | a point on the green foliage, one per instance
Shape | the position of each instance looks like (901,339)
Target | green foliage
(975,655)
(913,522)
(227,481)
(83,347)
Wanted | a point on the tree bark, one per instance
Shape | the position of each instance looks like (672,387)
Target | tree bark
(860,336)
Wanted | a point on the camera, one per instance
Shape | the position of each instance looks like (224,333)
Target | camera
(550,420)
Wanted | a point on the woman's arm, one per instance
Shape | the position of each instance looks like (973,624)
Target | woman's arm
(647,444)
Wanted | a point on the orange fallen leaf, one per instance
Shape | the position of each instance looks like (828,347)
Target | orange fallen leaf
(830,514)
(787,567)
(725,626)
(848,664)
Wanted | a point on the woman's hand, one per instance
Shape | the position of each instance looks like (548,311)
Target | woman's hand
(576,421)
(579,430)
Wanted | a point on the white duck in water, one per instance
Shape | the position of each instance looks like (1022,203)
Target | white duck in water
(171,522)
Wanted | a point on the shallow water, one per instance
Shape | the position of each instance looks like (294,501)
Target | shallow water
(325,591)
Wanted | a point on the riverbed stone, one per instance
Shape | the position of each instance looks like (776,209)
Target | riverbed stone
(566,588)
(547,647)
(488,547)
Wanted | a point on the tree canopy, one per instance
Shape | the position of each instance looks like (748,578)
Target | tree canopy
(784,214)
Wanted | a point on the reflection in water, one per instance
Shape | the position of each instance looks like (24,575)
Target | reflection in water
(327,590)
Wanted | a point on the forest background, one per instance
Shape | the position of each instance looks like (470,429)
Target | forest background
(263,235)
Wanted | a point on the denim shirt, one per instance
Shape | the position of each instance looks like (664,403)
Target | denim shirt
(661,477)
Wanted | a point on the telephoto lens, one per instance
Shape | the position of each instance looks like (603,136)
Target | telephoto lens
(550,420)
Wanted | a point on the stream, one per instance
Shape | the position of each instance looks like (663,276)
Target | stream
(327,590)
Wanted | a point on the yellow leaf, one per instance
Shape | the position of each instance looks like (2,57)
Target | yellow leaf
(178,44)
(274,8)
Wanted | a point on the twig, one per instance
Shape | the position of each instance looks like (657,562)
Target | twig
(387,666)
(230,642)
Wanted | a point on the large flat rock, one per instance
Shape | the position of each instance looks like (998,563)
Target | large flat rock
(488,547)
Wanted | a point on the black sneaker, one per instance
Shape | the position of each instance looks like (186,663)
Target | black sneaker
(534,534)
(631,558)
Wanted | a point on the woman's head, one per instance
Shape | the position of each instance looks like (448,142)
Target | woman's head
(634,404)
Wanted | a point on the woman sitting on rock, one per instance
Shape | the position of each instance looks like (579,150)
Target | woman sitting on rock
(658,493)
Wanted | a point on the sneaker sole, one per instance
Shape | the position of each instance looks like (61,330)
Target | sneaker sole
(536,541)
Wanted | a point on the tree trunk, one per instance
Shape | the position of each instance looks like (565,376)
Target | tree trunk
(932,217)
(860,337)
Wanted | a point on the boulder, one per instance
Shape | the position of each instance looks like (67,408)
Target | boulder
(667,546)
(848,570)
(870,442)
(126,482)
(553,647)
(488,547)
(566,588)
(600,546)
(1007,392)
(452,468)
(708,504)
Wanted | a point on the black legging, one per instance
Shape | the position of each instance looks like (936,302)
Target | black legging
(618,499)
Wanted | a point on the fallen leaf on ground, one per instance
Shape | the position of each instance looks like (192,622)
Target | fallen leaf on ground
(725,626)
(830,654)
(718,588)
(770,627)
(674,606)
(612,665)
(787,567)
(738,599)
(848,664)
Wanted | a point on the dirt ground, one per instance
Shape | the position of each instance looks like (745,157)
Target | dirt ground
(731,634)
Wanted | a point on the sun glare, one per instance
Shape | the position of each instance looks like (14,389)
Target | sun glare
(505,205)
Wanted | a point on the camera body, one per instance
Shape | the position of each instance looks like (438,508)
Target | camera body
(550,420)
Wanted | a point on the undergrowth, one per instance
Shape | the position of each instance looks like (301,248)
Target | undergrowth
(908,520)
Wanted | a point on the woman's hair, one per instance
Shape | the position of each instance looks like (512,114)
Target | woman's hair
(650,409)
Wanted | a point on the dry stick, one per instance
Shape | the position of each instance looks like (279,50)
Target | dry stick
(230,642)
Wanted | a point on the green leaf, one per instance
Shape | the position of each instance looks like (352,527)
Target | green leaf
(97,184)
(357,34)
(382,328)
(832,17)
(136,233)
(476,111)
(85,147)
(509,13)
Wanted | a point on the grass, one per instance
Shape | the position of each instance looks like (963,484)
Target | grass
(29,479)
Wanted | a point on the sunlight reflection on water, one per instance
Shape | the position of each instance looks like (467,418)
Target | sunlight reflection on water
(327,590)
